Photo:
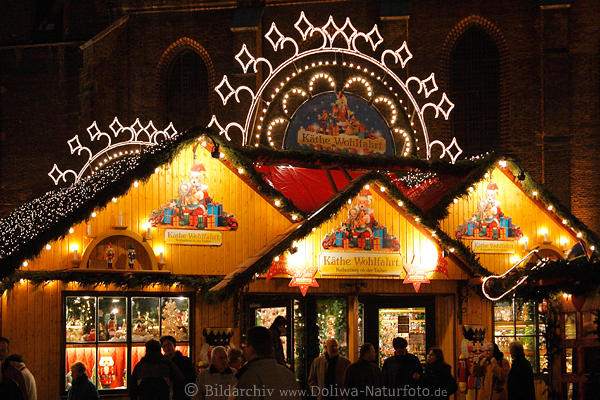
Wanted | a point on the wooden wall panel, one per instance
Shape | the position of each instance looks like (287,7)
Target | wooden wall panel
(445,326)
(525,212)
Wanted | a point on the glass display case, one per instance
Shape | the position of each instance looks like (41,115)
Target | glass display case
(332,322)
(112,319)
(145,321)
(175,317)
(408,323)
(108,333)
(515,320)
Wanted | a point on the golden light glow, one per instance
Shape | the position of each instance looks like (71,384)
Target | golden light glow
(429,256)
(48,247)
(74,247)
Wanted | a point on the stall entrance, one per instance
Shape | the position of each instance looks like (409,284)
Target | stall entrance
(311,321)
(383,318)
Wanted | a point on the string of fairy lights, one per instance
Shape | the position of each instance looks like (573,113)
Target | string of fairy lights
(37,218)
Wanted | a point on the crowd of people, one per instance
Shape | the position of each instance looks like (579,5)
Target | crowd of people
(260,372)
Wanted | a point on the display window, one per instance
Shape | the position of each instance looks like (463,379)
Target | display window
(515,320)
(108,333)
(408,323)
(381,319)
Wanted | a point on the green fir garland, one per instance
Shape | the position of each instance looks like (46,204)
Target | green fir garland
(121,279)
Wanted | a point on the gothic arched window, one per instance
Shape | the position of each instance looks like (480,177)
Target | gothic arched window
(187,91)
(474,86)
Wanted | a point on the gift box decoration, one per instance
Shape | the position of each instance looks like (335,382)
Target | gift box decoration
(185,219)
(361,243)
(210,221)
(345,243)
(338,239)
(167,216)
(175,220)
(377,243)
(193,220)
(219,209)
(470,227)
(222,220)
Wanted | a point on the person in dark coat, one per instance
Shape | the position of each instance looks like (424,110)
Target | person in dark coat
(185,365)
(363,378)
(520,377)
(155,377)
(262,377)
(402,368)
(9,389)
(277,330)
(327,372)
(8,369)
(438,377)
(82,388)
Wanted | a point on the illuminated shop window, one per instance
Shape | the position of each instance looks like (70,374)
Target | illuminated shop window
(516,320)
(108,333)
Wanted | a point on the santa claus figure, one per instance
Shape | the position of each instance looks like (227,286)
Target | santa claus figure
(366,215)
(489,207)
(194,193)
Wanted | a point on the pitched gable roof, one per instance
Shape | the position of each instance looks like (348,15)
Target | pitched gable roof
(28,228)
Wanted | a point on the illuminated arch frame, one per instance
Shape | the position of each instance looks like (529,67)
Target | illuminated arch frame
(329,33)
(117,232)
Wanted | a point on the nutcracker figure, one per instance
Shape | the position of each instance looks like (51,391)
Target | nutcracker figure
(131,256)
(472,347)
(110,254)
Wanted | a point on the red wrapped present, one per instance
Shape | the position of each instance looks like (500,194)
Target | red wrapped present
(210,221)
(490,232)
(361,243)
(175,220)
(193,220)
(345,243)
(376,243)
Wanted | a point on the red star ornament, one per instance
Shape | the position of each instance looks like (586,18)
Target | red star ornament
(277,268)
(304,281)
(442,266)
(415,277)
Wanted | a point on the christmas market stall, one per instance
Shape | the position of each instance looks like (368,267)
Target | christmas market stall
(328,205)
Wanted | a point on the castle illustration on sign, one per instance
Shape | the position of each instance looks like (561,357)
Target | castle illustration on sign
(339,122)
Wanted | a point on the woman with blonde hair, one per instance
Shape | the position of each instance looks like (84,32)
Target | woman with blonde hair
(494,368)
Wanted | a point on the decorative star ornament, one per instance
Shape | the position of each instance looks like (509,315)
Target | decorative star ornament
(304,282)
(278,267)
(414,276)
(303,279)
